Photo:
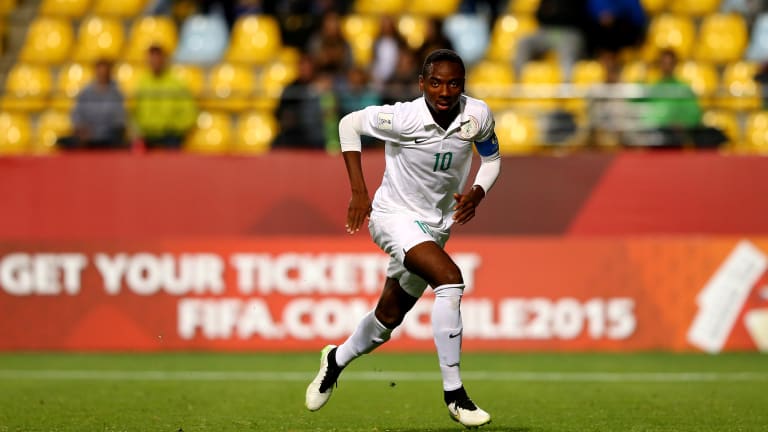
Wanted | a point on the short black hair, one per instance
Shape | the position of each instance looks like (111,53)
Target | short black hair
(441,55)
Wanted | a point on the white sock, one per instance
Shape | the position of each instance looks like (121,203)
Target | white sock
(447,329)
(368,335)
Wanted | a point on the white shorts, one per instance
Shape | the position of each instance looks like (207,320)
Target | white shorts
(396,234)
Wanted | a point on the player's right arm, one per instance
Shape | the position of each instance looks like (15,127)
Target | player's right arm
(350,128)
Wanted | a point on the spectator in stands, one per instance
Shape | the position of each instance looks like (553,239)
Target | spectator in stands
(613,119)
(165,108)
(434,39)
(98,117)
(386,47)
(329,50)
(561,28)
(403,85)
(670,110)
(306,106)
(356,93)
(613,25)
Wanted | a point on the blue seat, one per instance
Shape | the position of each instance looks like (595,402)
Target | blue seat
(469,35)
(203,40)
(758,42)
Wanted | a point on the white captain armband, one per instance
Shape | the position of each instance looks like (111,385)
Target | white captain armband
(349,131)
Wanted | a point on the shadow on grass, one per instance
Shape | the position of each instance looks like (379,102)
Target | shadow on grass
(489,428)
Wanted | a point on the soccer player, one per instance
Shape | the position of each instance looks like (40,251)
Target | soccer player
(428,152)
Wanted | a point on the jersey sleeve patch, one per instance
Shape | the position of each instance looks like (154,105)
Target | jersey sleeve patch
(384,121)
(488,147)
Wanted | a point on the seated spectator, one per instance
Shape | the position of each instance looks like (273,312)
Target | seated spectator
(165,108)
(613,25)
(329,50)
(403,85)
(433,39)
(671,117)
(98,118)
(561,28)
(386,47)
(356,93)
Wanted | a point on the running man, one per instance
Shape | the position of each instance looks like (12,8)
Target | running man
(428,155)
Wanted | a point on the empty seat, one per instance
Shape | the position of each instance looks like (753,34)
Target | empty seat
(727,122)
(255,132)
(639,72)
(380,7)
(127,76)
(668,31)
(14,133)
(211,135)
(441,8)
(507,31)
(230,87)
(653,7)
(694,7)
(51,125)
(413,29)
(192,75)
(585,75)
(64,8)
(6,7)
(120,8)
(360,31)
(492,82)
(203,40)
(540,85)
(27,87)
(255,39)
(722,38)
(148,31)
(49,41)
(742,92)
(97,38)
(69,81)
(702,77)
(757,132)
(517,133)
(527,7)
(469,35)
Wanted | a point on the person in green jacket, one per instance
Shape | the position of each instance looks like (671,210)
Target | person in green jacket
(165,109)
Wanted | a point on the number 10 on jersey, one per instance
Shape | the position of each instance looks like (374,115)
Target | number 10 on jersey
(442,161)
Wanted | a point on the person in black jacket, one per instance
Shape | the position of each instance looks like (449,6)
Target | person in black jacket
(561,28)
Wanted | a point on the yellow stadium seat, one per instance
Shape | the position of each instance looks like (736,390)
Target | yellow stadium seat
(586,74)
(439,8)
(27,87)
(49,41)
(14,133)
(255,132)
(51,125)
(230,87)
(694,7)
(507,31)
(360,31)
(212,134)
(255,40)
(540,84)
(380,7)
(127,76)
(7,6)
(121,8)
(97,38)
(668,31)
(654,7)
(148,31)
(757,132)
(65,8)
(491,81)
(192,75)
(413,29)
(273,79)
(742,92)
(517,133)
(70,80)
(722,38)
(638,71)
(727,122)
(527,7)
(702,77)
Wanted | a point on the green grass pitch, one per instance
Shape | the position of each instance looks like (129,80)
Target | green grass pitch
(195,392)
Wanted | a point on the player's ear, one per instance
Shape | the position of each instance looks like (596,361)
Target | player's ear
(421,83)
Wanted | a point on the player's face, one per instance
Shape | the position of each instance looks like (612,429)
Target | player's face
(442,86)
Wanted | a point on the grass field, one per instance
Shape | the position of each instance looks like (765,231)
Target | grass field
(382,392)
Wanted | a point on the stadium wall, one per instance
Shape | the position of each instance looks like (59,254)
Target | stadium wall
(625,251)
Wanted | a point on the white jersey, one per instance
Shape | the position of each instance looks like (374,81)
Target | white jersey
(426,164)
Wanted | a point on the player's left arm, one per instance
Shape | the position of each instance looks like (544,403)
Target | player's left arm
(490,167)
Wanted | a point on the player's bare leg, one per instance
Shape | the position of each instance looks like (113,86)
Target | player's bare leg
(373,330)
(433,264)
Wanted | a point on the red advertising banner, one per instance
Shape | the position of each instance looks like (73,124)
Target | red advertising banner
(294,293)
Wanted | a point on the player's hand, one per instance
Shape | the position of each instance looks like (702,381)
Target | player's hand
(359,210)
(466,204)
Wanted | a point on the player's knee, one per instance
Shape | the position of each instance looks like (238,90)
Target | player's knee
(450,276)
(388,317)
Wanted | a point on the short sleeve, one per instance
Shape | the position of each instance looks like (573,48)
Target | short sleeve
(381,122)
(485,141)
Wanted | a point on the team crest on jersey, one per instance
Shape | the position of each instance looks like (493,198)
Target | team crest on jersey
(384,121)
(469,129)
